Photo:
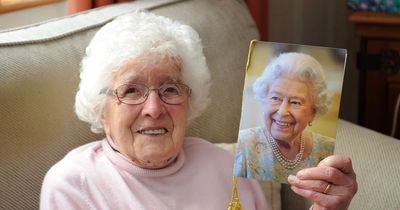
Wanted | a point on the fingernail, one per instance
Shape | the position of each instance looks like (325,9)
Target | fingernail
(291,178)
(299,174)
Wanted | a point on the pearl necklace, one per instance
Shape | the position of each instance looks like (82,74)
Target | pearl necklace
(286,163)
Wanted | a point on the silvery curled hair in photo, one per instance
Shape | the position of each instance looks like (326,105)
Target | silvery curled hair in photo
(301,65)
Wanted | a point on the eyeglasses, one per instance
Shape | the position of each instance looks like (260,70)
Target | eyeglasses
(133,94)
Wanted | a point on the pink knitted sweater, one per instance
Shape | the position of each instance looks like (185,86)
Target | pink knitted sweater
(94,176)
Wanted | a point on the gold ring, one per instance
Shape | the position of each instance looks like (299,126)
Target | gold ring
(327,188)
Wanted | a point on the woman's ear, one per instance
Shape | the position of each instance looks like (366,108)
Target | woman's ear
(103,117)
(313,114)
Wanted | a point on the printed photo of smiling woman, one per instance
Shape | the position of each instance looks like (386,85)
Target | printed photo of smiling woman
(292,92)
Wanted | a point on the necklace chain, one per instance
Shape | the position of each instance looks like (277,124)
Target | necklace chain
(286,163)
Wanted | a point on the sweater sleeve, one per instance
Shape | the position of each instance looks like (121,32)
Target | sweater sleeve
(254,193)
(62,189)
(258,195)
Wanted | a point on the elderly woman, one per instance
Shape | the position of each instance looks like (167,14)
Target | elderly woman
(143,79)
(134,87)
(293,93)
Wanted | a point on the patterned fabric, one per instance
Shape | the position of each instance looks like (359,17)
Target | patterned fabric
(255,158)
(387,6)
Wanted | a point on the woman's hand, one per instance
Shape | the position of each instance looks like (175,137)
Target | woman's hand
(330,185)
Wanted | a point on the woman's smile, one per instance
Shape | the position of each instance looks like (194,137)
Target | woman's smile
(153,131)
(282,124)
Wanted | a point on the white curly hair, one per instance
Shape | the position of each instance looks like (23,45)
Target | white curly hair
(301,65)
(131,36)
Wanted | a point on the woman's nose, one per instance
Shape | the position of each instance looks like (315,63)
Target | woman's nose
(153,106)
(283,108)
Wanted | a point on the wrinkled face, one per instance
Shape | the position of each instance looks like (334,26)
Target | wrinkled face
(151,134)
(288,108)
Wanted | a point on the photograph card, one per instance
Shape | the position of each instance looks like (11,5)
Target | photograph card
(290,109)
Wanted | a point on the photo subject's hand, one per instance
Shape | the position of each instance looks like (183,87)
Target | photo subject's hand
(330,185)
